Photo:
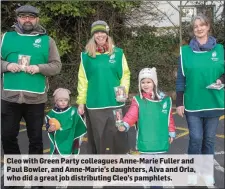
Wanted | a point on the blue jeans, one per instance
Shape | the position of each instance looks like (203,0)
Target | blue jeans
(202,134)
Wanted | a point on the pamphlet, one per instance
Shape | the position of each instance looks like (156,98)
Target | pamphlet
(120,93)
(215,86)
(118,116)
(23,61)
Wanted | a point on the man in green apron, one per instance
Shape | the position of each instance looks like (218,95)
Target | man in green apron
(25,86)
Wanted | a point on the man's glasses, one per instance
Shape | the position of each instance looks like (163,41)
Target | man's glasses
(30,17)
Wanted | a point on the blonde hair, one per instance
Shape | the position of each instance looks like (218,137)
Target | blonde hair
(91,46)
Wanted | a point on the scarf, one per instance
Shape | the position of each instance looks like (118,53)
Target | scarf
(196,46)
(102,49)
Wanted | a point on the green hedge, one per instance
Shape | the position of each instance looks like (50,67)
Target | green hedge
(145,49)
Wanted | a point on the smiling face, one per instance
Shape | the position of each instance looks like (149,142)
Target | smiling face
(147,85)
(200,29)
(100,38)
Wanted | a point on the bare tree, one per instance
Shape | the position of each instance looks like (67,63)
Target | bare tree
(146,14)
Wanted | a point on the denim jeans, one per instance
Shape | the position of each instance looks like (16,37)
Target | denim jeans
(202,134)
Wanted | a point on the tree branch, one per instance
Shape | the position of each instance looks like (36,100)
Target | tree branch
(165,15)
(171,4)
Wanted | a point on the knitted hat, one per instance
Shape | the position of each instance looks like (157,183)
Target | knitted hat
(27,9)
(99,26)
(148,73)
(61,93)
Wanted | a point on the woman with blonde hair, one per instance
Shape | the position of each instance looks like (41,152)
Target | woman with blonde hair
(103,66)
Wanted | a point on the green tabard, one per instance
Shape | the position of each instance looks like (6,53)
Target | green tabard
(72,127)
(153,123)
(200,70)
(35,46)
(103,74)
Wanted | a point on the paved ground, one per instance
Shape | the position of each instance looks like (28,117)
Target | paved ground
(179,146)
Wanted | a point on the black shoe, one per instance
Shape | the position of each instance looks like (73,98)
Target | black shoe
(37,187)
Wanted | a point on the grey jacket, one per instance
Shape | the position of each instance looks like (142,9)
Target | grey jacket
(51,68)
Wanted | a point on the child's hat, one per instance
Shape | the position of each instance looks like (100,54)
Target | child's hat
(99,26)
(149,73)
(61,93)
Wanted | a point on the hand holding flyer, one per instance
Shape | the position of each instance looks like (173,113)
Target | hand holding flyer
(120,94)
(215,86)
(24,61)
(118,116)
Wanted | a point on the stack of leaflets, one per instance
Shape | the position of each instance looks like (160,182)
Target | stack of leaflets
(215,86)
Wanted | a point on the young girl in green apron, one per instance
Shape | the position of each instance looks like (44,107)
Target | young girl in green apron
(155,123)
(66,139)
(152,112)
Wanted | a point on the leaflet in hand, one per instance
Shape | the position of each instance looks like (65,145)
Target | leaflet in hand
(118,116)
(215,86)
(23,61)
(120,93)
